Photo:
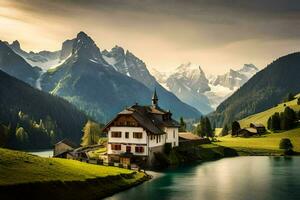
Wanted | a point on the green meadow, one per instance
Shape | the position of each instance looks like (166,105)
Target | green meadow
(268,143)
(19,167)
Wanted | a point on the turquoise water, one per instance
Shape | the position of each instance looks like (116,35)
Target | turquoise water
(241,178)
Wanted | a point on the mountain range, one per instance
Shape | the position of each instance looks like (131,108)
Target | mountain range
(264,90)
(190,83)
(99,82)
(16,66)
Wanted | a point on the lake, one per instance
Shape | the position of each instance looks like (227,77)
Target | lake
(240,178)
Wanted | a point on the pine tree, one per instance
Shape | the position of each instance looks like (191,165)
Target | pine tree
(208,129)
(289,97)
(182,124)
(202,127)
(290,116)
(224,130)
(235,127)
(274,122)
(269,123)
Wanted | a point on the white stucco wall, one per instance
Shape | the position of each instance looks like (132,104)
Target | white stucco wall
(133,142)
(154,143)
(172,136)
(123,149)
(145,141)
(130,140)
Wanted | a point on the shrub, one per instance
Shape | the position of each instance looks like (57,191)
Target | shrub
(285,144)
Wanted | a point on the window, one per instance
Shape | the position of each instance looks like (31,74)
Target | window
(133,124)
(128,149)
(138,135)
(157,139)
(126,134)
(139,149)
(173,133)
(115,147)
(116,134)
(152,137)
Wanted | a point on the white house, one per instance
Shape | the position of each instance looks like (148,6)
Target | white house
(137,132)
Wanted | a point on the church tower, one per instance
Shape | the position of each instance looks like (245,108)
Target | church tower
(154,99)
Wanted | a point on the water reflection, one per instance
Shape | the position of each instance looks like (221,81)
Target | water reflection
(242,178)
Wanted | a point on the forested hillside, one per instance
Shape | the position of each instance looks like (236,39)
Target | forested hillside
(264,90)
(30,118)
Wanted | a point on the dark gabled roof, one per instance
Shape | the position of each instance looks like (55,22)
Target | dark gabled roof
(88,148)
(250,130)
(258,125)
(64,152)
(188,136)
(147,117)
(67,142)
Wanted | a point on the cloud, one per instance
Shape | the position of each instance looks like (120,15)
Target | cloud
(150,27)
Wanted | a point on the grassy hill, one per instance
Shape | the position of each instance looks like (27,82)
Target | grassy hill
(263,117)
(268,143)
(60,178)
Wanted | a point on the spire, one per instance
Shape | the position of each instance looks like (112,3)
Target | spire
(154,99)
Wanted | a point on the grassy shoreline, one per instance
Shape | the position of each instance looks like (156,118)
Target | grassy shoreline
(53,178)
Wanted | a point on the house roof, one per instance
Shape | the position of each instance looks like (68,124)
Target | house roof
(153,119)
(64,152)
(67,142)
(88,148)
(188,136)
(251,130)
(258,125)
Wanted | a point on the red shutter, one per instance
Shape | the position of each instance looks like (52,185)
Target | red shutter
(139,149)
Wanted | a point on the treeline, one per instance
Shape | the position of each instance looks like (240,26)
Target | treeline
(32,119)
(204,128)
(285,120)
(26,133)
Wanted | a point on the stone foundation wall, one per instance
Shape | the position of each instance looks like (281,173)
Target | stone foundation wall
(151,157)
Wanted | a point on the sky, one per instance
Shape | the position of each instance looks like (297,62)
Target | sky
(215,34)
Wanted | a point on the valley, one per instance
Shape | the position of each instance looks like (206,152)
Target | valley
(129,99)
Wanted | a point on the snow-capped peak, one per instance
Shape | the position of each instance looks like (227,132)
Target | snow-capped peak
(248,70)
(189,71)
